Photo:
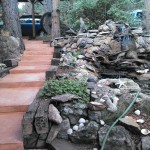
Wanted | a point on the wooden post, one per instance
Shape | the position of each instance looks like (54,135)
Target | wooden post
(147,14)
(55,19)
(33,21)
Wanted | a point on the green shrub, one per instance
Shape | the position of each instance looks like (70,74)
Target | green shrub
(58,87)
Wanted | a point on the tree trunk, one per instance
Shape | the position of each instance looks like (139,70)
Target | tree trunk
(28,8)
(147,14)
(55,19)
(11,20)
(47,6)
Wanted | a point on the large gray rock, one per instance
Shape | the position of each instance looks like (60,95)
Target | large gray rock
(124,101)
(54,115)
(64,126)
(53,133)
(87,134)
(145,106)
(65,97)
(146,143)
(9,48)
(130,123)
(118,139)
(115,46)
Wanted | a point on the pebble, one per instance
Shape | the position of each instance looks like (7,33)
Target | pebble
(95,148)
(75,128)
(102,122)
(81,120)
(69,131)
(145,131)
(137,112)
(140,121)
(81,125)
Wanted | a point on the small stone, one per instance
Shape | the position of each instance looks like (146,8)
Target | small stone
(69,131)
(95,148)
(140,121)
(102,122)
(145,131)
(82,120)
(80,56)
(75,128)
(137,112)
(81,125)
(93,31)
(93,92)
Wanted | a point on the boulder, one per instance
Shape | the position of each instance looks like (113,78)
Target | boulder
(54,115)
(145,143)
(118,139)
(87,134)
(131,124)
(64,126)
(65,98)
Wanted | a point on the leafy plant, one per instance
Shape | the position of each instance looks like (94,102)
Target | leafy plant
(58,87)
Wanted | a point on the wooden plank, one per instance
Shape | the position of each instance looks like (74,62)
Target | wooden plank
(41,118)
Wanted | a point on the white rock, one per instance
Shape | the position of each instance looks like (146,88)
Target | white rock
(145,131)
(69,131)
(93,92)
(80,56)
(102,122)
(95,148)
(137,112)
(140,121)
(81,120)
(61,59)
(75,128)
(142,71)
(81,125)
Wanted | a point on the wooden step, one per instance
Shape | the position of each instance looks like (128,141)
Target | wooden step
(29,69)
(38,52)
(16,99)
(36,58)
(10,131)
(35,63)
(22,80)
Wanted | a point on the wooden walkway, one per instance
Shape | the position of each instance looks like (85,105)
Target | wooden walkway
(18,90)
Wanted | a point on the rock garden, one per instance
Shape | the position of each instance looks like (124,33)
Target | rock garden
(97,93)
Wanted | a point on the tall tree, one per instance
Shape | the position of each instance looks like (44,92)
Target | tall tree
(55,32)
(47,5)
(147,14)
(11,20)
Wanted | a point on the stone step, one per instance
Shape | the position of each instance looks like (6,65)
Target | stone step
(10,131)
(22,80)
(29,69)
(16,99)
(37,58)
(38,52)
(34,63)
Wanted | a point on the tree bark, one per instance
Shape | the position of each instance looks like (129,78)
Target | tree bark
(147,14)
(28,8)
(11,20)
(55,32)
(47,6)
